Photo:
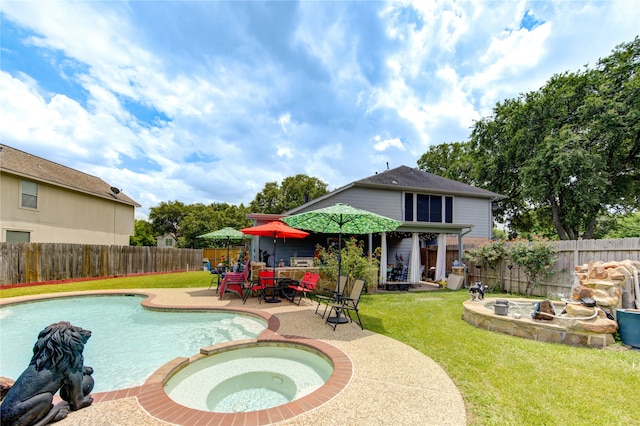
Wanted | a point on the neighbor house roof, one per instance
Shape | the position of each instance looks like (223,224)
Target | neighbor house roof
(405,178)
(32,167)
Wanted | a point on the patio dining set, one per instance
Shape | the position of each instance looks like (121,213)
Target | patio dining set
(268,287)
(337,219)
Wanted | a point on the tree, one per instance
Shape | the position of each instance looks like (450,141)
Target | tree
(186,222)
(626,226)
(568,151)
(449,160)
(200,219)
(167,217)
(142,234)
(267,200)
(294,191)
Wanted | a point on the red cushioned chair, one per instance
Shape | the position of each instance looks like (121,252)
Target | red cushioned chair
(265,278)
(235,282)
(306,285)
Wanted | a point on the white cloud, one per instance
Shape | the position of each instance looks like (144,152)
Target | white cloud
(208,101)
(284,120)
(383,145)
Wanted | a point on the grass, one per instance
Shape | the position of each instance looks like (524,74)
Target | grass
(504,380)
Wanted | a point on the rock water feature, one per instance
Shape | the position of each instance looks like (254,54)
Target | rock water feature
(612,285)
(588,318)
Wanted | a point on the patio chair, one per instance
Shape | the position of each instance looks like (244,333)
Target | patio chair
(306,285)
(330,296)
(265,279)
(235,282)
(217,274)
(346,305)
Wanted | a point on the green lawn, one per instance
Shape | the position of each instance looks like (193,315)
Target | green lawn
(504,380)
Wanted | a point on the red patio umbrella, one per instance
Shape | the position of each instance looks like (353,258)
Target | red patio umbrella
(275,229)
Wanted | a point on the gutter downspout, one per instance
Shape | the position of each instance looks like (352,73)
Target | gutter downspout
(460,247)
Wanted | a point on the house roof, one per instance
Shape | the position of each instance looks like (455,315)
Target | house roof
(405,178)
(30,166)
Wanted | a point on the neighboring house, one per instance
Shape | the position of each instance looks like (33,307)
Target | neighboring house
(42,201)
(165,241)
(425,203)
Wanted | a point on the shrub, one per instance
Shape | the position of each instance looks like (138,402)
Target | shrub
(535,258)
(489,255)
(355,262)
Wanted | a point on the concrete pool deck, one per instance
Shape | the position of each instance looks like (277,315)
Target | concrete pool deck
(391,383)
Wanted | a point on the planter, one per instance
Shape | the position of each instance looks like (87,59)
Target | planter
(629,326)
(501,309)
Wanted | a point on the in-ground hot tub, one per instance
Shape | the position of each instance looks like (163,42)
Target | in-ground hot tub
(250,378)
(518,322)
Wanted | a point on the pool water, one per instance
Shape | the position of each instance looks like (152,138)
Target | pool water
(128,343)
(249,379)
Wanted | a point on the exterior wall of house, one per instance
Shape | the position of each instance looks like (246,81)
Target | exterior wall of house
(64,216)
(385,203)
(476,211)
(466,210)
(166,241)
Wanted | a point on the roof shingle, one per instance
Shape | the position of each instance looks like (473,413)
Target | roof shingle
(407,178)
(30,166)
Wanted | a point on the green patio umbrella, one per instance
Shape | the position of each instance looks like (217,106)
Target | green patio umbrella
(227,234)
(341,218)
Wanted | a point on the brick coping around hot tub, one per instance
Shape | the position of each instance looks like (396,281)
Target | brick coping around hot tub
(155,401)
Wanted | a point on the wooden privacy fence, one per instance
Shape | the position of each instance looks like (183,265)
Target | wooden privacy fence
(37,262)
(569,254)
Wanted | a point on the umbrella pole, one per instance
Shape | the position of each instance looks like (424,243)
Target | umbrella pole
(336,319)
(339,260)
(274,299)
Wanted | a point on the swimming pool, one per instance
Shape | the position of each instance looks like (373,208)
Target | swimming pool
(128,343)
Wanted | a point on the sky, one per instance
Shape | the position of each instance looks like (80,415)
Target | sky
(207,101)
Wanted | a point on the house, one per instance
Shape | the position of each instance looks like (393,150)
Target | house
(166,241)
(430,208)
(42,201)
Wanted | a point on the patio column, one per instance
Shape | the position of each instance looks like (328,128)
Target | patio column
(441,261)
(414,259)
(383,258)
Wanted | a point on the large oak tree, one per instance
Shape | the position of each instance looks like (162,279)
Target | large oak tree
(570,150)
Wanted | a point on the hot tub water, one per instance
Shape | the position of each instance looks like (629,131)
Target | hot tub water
(249,379)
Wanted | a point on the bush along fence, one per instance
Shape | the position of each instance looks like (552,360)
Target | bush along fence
(518,267)
(41,262)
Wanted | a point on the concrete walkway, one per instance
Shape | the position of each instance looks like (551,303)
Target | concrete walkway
(392,383)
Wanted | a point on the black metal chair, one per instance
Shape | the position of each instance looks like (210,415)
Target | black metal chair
(330,296)
(346,305)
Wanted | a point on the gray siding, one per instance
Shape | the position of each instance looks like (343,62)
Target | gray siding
(385,203)
(476,211)
(389,203)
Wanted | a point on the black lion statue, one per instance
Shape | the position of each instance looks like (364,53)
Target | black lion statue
(57,364)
